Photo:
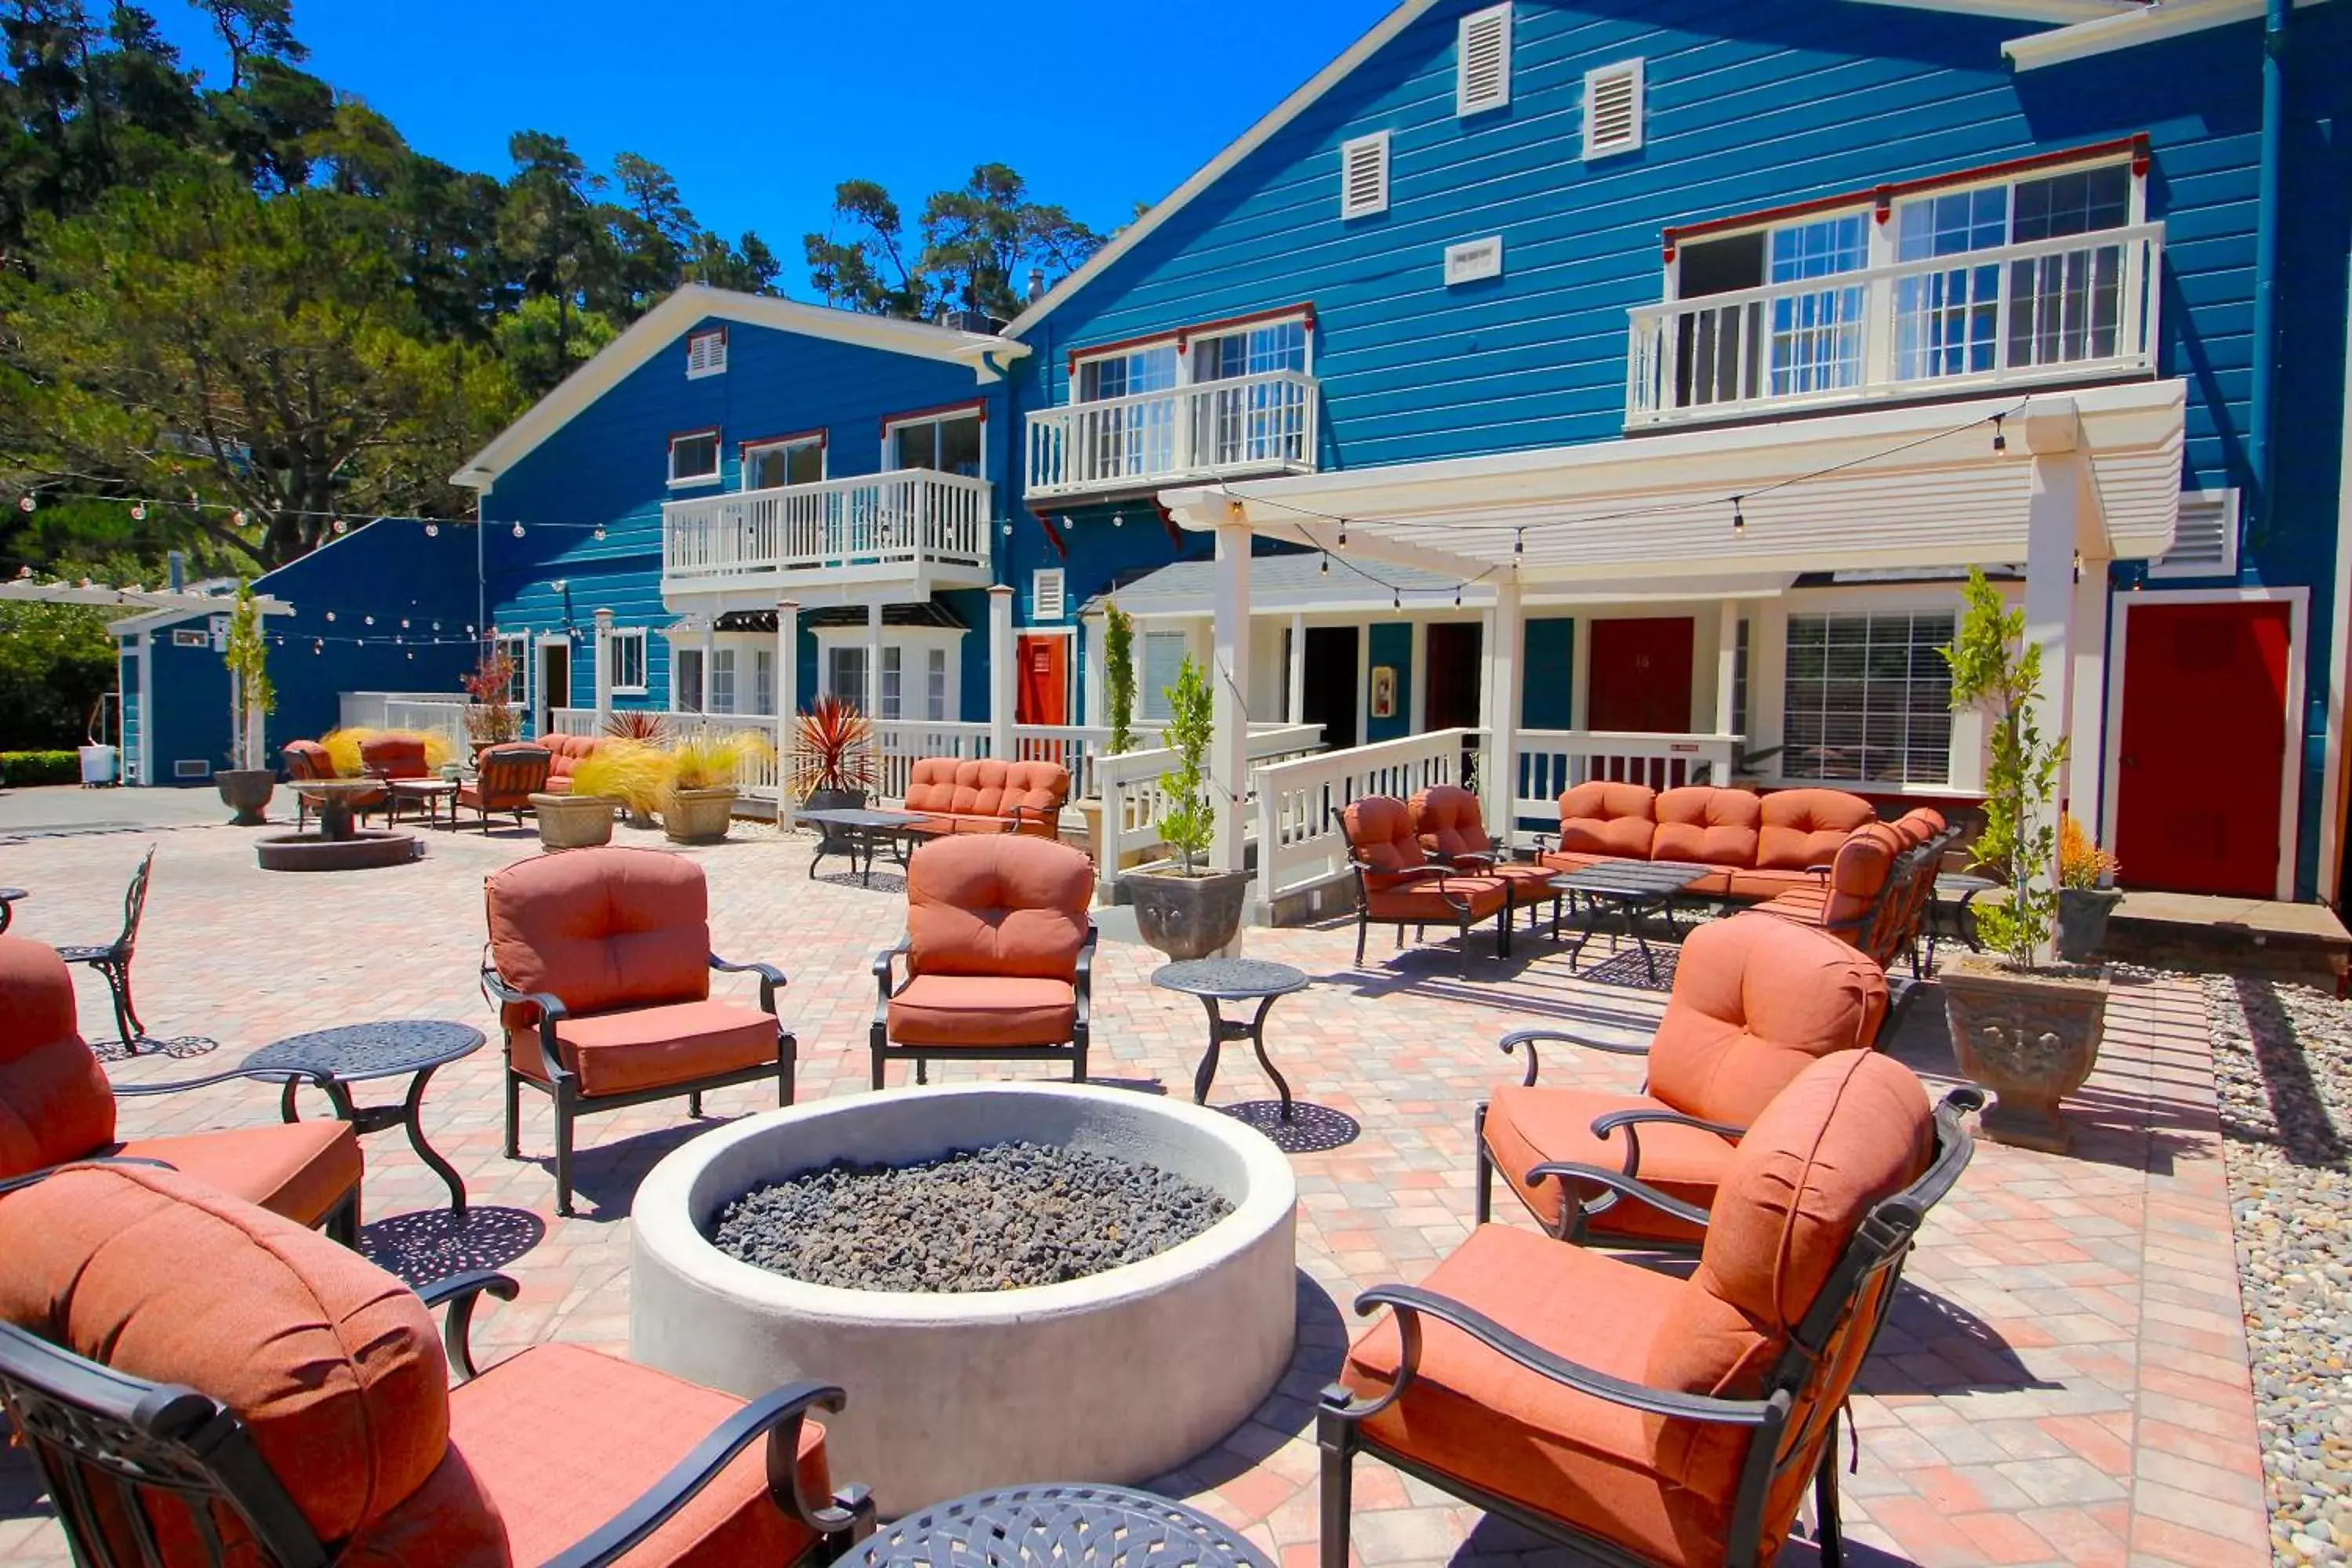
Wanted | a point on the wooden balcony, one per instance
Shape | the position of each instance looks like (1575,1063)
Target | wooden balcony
(1215,429)
(913,528)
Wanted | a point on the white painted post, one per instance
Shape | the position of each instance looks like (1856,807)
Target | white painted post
(603,667)
(788,699)
(874,660)
(1296,705)
(1228,679)
(2084,710)
(1095,628)
(1506,670)
(2053,515)
(710,657)
(1003,672)
(1727,679)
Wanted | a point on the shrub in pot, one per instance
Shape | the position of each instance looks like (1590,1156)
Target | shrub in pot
(700,803)
(246,787)
(833,767)
(490,718)
(1188,912)
(616,774)
(2026,1031)
(2088,894)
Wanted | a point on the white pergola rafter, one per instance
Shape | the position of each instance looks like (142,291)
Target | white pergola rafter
(31,591)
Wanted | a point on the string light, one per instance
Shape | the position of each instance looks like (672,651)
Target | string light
(25,503)
(599,534)
(2000,441)
(340,526)
(237,517)
(138,512)
(1739,519)
(1396,599)
(1067,525)
(1519,542)
(369,619)
(1325,567)
(518,530)
(1343,533)
(331,614)
(432,531)
(1457,595)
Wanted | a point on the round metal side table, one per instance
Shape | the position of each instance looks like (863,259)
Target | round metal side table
(356,1052)
(1218,980)
(1055,1526)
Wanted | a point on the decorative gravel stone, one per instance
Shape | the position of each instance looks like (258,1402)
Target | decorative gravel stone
(996,1218)
(2282,1063)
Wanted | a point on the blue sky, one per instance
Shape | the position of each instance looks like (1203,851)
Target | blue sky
(759,109)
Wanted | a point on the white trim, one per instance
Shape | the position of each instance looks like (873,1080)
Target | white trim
(718,474)
(1371,152)
(917,638)
(1495,21)
(658,329)
(1634,74)
(2228,499)
(2298,602)
(645,660)
(712,365)
(2123,27)
(890,428)
(2339,650)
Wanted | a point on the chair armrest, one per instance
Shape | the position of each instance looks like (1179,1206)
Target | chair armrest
(1020,814)
(1470,860)
(550,1012)
(311,1076)
(776,1416)
(461,1293)
(1527,1038)
(1085,977)
(46,1171)
(1620,1185)
(1410,1304)
(1609,1120)
(882,976)
(772,979)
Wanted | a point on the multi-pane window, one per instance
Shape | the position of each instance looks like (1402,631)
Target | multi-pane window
(768,465)
(694,457)
(894,690)
(723,680)
(1868,699)
(934,683)
(951,445)
(685,680)
(1132,438)
(1817,335)
(844,673)
(763,680)
(517,652)
(1259,421)
(1163,655)
(627,652)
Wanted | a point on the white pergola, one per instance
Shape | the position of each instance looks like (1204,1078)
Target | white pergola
(31,591)
(2080,479)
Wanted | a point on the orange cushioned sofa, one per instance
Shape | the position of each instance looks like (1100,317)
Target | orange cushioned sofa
(957,795)
(564,753)
(1755,847)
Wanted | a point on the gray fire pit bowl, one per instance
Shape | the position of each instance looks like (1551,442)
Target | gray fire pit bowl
(1117,1378)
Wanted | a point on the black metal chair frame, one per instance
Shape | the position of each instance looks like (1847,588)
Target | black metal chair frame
(884,1049)
(1879,1247)
(562,1086)
(482,807)
(90,1426)
(1438,870)
(113,960)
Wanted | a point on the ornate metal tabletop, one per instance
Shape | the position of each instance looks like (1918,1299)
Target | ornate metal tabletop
(1060,1526)
(844,816)
(356,1052)
(1630,878)
(1229,979)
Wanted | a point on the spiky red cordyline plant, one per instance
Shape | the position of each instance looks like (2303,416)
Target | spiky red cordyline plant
(636,724)
(832,748)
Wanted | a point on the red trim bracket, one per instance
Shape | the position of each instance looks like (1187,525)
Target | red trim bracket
(1053,534)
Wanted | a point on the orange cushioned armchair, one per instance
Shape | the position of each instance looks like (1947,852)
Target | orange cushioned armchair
(1000,955)
(56,1106)
(600,962)
(1397,882)
(201,1383)
(1645,1417)
(505,778)
(1452,822)
(1756,1001)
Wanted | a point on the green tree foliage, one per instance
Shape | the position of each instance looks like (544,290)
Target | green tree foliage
(247,658)
(1994,666)
(1118,675)
(977,244)
(1188,825)
(56,661)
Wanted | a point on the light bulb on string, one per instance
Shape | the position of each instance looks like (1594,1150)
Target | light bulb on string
(1008,531)
(317,646)
(1739,519)
(1457,595)
(404,623)
(518,530)
(237,517)
(1519,542)
(1067,525)
(370,619)
(1396,599)
(340,526)
(599,534)
(2000,440)
(138,512)
(432,531)
(1343,536)
(25,503)
(331,614)
(1325,567)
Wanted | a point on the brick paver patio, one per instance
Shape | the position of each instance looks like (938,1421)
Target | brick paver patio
(2065,1380)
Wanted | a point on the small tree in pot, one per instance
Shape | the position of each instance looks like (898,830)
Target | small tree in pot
(2028,1032)
(832,765)
(246,787)
(1188,913)
(490,719)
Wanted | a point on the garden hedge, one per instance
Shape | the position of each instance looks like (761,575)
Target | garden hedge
(21,768)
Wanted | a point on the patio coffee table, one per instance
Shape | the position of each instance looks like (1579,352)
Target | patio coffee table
(1218,980)
(358,1052)
(1061,1525)
(428,793)
(1634,889)
(844,831)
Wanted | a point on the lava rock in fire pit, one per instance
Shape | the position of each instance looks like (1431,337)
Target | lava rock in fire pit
(996,1219)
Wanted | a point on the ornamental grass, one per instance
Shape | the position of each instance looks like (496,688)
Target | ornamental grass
(631,771)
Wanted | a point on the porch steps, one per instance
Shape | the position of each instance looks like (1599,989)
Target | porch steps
(2194,931)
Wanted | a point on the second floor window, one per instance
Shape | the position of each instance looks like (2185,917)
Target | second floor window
(795,460)
(627,652)
(694,457)
(951,444)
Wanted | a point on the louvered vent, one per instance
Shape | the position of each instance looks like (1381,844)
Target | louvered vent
(2205,539)
(1364,175)
(1612,109)
(1482,68)
(1045,593)
(706,353)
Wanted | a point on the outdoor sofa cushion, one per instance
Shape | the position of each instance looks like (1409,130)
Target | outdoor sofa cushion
(564,753)
(1756,846)
(962,796)
(1803,827)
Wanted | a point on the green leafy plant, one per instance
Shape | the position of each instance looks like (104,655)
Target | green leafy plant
(247,653)
(1118,675)
(632,771)
(1188,825)
(1993,666)
(704,760)
(20,769)
(833,749)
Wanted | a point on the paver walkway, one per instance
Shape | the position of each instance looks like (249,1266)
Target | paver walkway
(2063,1380)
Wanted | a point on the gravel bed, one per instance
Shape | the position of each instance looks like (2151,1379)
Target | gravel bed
(2282,1064)
(994,1218)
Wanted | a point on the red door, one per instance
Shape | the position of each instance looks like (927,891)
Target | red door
(1042,694)
(1641,676)
(2203,744)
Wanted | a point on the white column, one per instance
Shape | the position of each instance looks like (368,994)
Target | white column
(1295,707)
(1505,669)
(2053,516)
(2086,709)
(1095,629)
(788,699)
(603,667)
(709,653)
(1228,677)
(874,661)
(1727,677)
(1003,672)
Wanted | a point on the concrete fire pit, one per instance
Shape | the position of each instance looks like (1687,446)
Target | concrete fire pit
(1116,1378)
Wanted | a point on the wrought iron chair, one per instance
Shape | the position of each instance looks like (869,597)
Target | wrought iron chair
(113,960)
(309,759)
(1398,884)
(505,779)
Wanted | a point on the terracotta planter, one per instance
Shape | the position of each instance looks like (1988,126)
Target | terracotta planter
(698,815)
(245,790)
(837,842)
(2083,922)
(573,821)
(1188,917)
(2031,1038)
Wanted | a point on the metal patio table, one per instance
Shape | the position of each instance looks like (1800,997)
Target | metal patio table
(429,794)
(1060,1525)
(851,832)
(8,897)
(1221,980)
(356,1052)
(1634,889)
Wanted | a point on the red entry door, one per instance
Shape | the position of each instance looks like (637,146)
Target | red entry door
(1641,676)
(2202,749)
(1043,695)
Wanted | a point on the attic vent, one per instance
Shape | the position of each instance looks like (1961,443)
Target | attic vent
(1483,67)
(192,768)
(1364,175)
(191,636)
(706,353)
(1612,109)
(1045,593)
(2205,540)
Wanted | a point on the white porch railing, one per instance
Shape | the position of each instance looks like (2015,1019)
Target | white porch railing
(1552,762)
(1133,800)
(759,780)
(899,741)
(1249,425)
(2052,309)
(1299,842)
(882,525)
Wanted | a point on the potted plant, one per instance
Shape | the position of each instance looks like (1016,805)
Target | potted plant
(700,802)
(246,787)
(2086,892)
(629,774)
(1188,912)
(490,718)
(833,767)
(2026,1031)
(1119,697)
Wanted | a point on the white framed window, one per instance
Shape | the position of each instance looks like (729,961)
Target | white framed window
(844,674)
(191,636)
(1612,109)
(2204,540)
(1163,657)
(763,680)
(685,680)
(1867,699)
(516,646)
(1046,599)
(1482,67)
(706,352)
(894,683)
(626,650)
(935,684)
(723,680)
(1364,175)
(951,443)
(784,460)
(694,457)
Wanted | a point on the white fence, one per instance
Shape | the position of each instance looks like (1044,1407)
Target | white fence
(1133,800)
(423,712)
(1298,803)
(875,524)
(1251,424)
(1552,762)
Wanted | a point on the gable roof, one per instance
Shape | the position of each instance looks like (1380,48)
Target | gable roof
(1363,48)
(655,331)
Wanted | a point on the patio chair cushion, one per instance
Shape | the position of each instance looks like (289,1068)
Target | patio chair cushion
(1451,821)
(562,1438)
(54,1101)
(962,787)
(600,929)
(1423,902)
(306,760)
(1858,876)
(564,753)
(1919,824)
(997,904)
(1525,1127)
(1530,883)
(330,1362)
(984,1010)
(508,777)
(297,1168)
(651,1048)
(1771,884)
(1712,826)
(1604,818)
(1381,836)
(1803,827)
(393,756)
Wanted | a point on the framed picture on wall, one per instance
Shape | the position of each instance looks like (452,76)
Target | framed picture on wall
(1384,687)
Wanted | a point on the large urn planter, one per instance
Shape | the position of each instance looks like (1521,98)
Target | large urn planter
(2083,922)
(1188,917)
(245,790)
(573,821)
(2029,1036)
(698,815)
(836,841)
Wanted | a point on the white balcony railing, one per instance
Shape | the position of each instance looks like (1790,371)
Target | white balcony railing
(1134,797)
(1553,761)
(874,525)
(2068,309)
(1250,425)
